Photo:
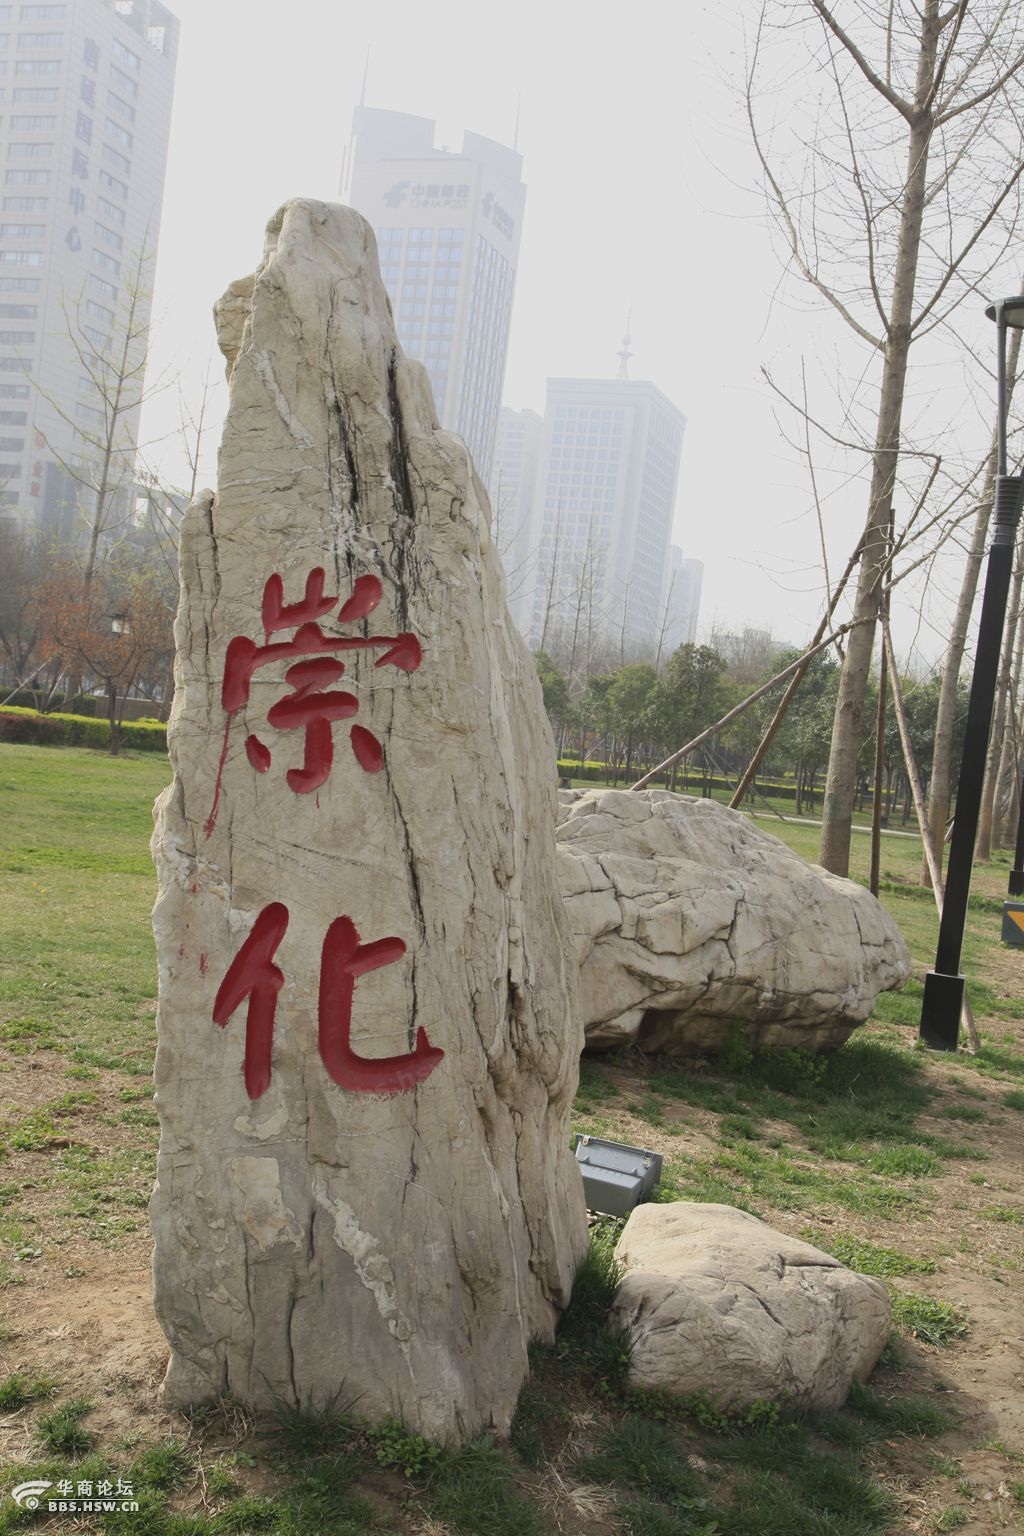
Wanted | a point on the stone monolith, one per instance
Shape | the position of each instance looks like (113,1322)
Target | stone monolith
(369,1026)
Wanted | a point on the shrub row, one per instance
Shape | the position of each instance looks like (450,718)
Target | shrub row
(27,725)
(35,698)
(599,773)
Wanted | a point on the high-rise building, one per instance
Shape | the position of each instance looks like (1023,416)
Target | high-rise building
(603,511)
(512,490)
(448,226)
(87,86)
(680,600)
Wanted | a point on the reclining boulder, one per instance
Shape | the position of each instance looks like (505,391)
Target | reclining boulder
(689,919)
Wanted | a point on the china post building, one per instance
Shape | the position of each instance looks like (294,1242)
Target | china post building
(448,227)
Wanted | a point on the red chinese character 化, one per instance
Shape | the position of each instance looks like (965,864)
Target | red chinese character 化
(253,975)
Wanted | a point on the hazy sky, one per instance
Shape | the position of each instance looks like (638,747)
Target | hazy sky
(641,196)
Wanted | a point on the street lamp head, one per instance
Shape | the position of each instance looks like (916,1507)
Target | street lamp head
(1012,311)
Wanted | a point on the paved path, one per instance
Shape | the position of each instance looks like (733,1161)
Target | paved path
(805,821)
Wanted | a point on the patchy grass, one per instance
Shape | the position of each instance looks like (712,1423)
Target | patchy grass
(870,1258)
(62,1433)
(933,1322)
(832,1146)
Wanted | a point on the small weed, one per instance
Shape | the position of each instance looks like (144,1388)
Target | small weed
(970,1113)
(870,1258)
(904,1162)
(162,1466)
(1013,1215)
(220,1484)
(933,1322)
(18,1391)
(397,1447)
(61,1431)
(949,1519)
(944,1466)
(309,1430)
(1014,1100)
(738,1128)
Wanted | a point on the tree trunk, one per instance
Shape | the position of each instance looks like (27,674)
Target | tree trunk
(115,724)
(940,789)
(1004,829)
(841,781)
(876,799)
(983,838)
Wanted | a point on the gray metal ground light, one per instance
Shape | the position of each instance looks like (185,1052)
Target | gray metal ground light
(615,1177)
(944,986)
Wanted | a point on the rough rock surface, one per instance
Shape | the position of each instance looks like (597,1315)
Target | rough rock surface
(688,918)
(358,897)
(720,1303)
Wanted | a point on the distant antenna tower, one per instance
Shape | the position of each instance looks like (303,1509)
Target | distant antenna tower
(625,355)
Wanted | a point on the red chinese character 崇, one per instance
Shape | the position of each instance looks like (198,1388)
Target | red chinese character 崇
(313,704)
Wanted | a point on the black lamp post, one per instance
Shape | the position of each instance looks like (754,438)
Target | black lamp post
(944,986)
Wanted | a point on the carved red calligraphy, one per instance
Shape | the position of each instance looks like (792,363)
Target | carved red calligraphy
(252,976)
(314,705)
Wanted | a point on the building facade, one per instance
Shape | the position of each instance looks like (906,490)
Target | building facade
(448,226)
(680,601)
(603,514)
(515,470)
(87,88)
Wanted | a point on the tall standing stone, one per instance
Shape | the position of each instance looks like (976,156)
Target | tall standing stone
(369,1027)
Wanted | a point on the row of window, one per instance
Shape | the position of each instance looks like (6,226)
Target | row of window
(54,67)
(32,150)
(34,12)
(420,236)
(34,39)
(31,284)
(589,413)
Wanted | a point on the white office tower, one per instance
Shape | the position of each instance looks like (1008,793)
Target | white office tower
(87,87)
(448,226)
(680,601)
(605,506)
(512,490)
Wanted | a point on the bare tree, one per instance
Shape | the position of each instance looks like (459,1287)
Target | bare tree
(894,202)
(104,463)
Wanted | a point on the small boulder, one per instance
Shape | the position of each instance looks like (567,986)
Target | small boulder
(688,919)
(718,1302)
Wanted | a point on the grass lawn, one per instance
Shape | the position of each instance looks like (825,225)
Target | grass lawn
(902,1164)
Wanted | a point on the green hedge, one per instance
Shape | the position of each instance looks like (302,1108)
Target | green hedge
(34,698)
(599,773)
(28,725)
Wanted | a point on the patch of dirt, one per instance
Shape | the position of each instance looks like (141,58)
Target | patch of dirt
(96,1335)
